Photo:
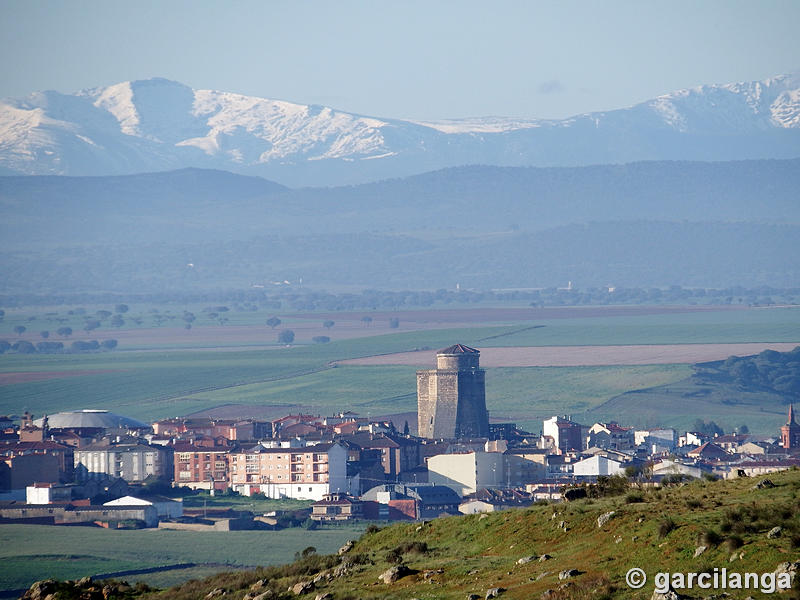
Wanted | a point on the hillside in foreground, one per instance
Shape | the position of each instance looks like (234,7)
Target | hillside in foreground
(555,551)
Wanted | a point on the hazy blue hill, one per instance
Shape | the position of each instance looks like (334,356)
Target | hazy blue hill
(643,224)
(183,205)
(484,197)
(629,254)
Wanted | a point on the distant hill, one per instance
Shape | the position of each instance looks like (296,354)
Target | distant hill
(156,124)
(644,224)
(751,390)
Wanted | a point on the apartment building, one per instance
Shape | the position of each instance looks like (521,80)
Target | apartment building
(201,467)
(307,473)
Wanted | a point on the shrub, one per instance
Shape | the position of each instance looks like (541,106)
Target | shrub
(694,503)
(634,497)
(709,538)
(372,528)
(412,546)
(733,542)
(666,525)
(394,557)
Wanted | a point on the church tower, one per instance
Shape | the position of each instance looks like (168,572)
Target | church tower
(790,433)
(451,399)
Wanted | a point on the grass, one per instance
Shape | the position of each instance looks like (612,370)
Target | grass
(32,552)
(152,385)
(478,552)
(704,327)
(157,384)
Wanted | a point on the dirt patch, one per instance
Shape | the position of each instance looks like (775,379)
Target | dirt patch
(25,377)
(582,356)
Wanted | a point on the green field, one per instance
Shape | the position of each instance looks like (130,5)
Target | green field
(705,327)
(161,383)
(32,552)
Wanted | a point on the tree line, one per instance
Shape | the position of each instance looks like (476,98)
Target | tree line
(50,347)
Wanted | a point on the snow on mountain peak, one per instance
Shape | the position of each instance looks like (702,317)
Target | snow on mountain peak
(118,100)
(155,124)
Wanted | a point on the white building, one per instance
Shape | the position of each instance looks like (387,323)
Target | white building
(468,472)
(131,462)
(47,493)
(167,508)
(597,465)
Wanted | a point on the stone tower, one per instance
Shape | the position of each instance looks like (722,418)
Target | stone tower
(790,433)
(451,399)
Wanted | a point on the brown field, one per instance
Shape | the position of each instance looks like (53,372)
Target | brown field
(22,377)
(583,356)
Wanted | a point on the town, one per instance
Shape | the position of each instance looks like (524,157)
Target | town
(98,468)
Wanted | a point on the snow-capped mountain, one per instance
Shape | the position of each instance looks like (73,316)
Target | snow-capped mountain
(159,124)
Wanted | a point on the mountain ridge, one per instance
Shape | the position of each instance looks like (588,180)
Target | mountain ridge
(159,124)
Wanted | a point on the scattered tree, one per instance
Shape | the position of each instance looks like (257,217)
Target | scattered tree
(117,321)
(49,347)
(108,344)
(91,325)
(286,336)
(103,314)
(4,346)
(710,428)
(64,331)
(24,347)
(121,308)
(20,329)
(320,339)
(366,319)
(273,322)
(394,323)
(328,324)
(45,334)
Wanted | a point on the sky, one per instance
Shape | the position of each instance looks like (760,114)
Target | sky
(411,59)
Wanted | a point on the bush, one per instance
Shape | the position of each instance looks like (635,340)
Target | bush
(666,525)
(733,542)
(634,497)
(372,528)
(320,339)
(709,538)
(694,503)
(394,557)
(413,547)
